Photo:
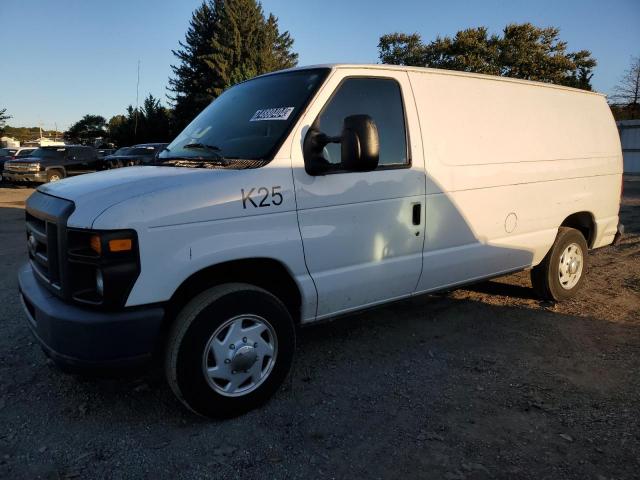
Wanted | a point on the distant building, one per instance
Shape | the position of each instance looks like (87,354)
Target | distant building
(43,142)
(630,140)
(9,142)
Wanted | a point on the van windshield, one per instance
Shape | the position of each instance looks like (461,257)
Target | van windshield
(245,125)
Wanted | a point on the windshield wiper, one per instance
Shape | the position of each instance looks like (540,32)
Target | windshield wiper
(202,146)
(195,162)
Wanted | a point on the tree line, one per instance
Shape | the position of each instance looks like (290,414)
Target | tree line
(229,41)
(522,51)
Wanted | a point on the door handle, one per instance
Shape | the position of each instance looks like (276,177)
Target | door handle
(417,207)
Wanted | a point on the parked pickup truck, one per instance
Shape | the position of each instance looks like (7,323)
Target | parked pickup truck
(50,164)
(307,194)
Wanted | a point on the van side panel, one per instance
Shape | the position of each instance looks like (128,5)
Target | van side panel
(506,163)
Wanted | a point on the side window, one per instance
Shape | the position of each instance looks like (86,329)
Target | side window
(381,99)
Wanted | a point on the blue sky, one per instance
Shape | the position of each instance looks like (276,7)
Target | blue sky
(62,59)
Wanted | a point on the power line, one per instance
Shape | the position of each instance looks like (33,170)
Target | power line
(135,128)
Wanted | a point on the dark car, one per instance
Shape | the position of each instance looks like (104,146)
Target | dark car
(48,164)
(105,152)
(142,154)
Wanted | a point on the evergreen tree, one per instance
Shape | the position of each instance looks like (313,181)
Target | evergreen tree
(3,119)
(193,80)
(149,124)
(228,41)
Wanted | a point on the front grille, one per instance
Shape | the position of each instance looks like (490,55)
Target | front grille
(46,220)
(20,167)
(42,243)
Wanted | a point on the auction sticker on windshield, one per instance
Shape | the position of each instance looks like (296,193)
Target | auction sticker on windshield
(279,113)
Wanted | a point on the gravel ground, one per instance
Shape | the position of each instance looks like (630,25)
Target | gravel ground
(482,382)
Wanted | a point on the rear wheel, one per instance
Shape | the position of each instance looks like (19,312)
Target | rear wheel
(229,350)
(54,175)
(561,274)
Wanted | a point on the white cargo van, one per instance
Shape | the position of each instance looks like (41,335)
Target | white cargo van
(309,193)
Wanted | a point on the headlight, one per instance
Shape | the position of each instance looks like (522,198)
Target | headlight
(103,265)
(99,283)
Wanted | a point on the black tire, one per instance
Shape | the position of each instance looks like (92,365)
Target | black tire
(545,276)
(54,175)
(190,335)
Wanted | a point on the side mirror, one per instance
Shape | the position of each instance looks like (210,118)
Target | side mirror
(360,144)
(360,149)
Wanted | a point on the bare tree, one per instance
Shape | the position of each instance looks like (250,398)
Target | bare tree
(627,92)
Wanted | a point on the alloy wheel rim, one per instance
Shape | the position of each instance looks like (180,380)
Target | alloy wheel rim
(571,265)
(240,355)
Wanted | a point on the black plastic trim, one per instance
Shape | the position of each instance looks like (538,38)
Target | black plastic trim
(82,337)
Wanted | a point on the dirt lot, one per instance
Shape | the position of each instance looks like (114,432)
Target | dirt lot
(483,382)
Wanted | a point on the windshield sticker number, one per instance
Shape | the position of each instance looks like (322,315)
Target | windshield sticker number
(280,113)
(258,197)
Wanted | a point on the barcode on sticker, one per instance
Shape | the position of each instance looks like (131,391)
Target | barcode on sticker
(279,113)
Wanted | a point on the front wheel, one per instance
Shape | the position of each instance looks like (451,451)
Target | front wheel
(561,274)
(54,175)
(229,350)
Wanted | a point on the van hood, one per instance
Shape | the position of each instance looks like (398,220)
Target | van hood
(94,193)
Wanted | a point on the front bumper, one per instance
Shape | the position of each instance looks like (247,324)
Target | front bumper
(39,177)
(84,338)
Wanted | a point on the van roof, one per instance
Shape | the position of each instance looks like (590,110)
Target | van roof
(439,71)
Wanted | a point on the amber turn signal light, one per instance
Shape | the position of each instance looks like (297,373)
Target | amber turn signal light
(95,244)
(120,245)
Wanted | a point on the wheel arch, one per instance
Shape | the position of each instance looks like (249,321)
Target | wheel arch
(585,223)
(56,167)
(267,273)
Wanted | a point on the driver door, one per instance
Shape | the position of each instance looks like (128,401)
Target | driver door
(363,232)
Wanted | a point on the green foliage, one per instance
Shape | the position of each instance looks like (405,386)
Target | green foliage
(227,42)
(523,51)
(3,119)
(150,124)
(86,129)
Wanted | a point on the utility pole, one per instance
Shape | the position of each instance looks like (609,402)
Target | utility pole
(135,128)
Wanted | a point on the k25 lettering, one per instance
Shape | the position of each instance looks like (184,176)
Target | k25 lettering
(259,197)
